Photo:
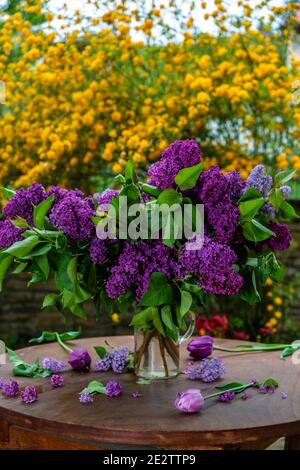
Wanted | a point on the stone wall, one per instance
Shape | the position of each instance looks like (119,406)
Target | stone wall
(21,316)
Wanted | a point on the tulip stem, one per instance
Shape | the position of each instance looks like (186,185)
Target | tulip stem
(239,389)
(62,344)
(254,348)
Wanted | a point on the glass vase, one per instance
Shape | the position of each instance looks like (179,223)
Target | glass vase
(157,356)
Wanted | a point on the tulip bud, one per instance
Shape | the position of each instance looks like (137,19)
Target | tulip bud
(80,359)
(201,347)
(189,401)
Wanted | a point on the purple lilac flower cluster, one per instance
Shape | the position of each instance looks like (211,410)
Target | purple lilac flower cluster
(181,154)
(21,204)
(208,370)
(53,364)
(135,265)
(116,360)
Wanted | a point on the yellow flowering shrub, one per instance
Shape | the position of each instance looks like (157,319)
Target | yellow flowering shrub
(85,93)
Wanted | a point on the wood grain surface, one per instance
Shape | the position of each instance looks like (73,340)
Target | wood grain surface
(152,420)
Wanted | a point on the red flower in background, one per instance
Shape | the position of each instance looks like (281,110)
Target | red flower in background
(241,335)
(216,325)
(265,331)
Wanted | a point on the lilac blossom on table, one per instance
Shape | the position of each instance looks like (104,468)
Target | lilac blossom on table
(119,359)
(11,389)
(226,397)
(29,395)
(86,397)
(53,364)
(208,370)
(104,364)
(57,381)
(113,389)
(136,394)
(245,395)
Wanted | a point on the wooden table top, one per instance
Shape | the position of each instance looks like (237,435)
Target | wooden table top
(152,419)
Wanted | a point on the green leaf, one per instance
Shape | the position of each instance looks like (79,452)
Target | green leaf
(187,177)
(250,193)
(149,189)
(276,198)
(229,386)
(186,302)
(43,264)
(41,249)
(158,323)
(9,193)
(254,231)
(5,262)
(249,292)
(14,358)
(143,319)
(169,196)
(159,291)
(288,351)
(170,327)
(51,336)
(20,268)
(69,335)
(269,382)
(101,351)
(249,208)
(40,211)
(23,247)
(50,300)
(144,381)
(129,170)
(95,387)
(284,176)
(287,211)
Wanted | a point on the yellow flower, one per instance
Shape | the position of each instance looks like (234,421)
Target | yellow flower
(278,314)
(270,308)
(269,281)
(277,300)
(115,318)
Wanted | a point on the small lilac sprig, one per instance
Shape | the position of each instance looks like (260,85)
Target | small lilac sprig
(29,395)
(111,389)
(118,359)
(57,380)
(11,389)
(192,400)
(54,365)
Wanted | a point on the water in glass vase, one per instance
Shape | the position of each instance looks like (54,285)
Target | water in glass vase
(156,356)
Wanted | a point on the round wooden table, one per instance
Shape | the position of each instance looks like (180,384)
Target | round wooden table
(58,421)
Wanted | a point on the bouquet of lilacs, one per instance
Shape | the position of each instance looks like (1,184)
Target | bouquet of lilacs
(58,233)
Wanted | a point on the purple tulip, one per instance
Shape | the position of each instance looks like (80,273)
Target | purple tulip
(189,401)
(201,347)
(80,359)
